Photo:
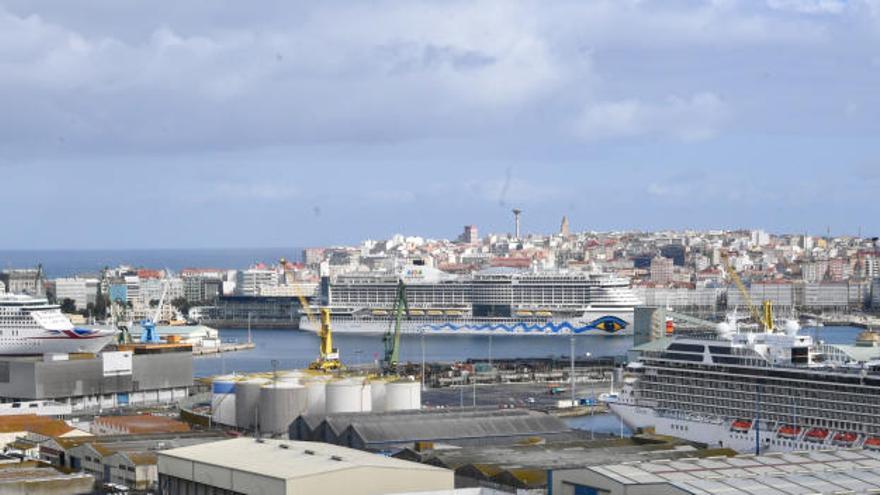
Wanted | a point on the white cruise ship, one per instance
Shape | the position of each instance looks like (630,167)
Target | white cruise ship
(756,392)
(32,326)
(496,301)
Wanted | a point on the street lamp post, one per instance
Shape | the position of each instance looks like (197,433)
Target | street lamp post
(571,373)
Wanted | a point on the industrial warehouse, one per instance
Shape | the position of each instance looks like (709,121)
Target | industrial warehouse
(90,382)
(284,467)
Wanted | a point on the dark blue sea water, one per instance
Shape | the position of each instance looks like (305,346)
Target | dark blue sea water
(295,349)
(63,263)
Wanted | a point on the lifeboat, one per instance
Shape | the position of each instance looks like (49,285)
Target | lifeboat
(523,313)
(741,425)
(788,431)
(435,312)
(816,434)
(845,438)
(416,312)
(380,312)
(872,443)
(543,313)
(454,312)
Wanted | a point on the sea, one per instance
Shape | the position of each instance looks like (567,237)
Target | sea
(70,262)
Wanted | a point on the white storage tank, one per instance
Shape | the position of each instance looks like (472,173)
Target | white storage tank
(348,396)
(377,395)
(315,397)
(280,404)
(247,395)
(403,396)
(223,400)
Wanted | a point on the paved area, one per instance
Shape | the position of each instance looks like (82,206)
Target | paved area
(535,395)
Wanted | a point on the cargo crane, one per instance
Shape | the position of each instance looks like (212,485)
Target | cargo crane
(391,339)
(328,357)
(150,335)
(303,302)
(764,318)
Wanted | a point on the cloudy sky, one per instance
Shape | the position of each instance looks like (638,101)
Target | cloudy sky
(231,124)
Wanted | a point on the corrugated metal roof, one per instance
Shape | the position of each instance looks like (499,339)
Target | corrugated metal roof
(268,458)
(509,423)
(822,472)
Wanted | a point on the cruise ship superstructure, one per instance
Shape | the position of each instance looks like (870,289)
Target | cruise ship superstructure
(32,326)
(756,391)
(497,301)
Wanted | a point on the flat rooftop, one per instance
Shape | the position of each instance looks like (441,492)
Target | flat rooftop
(829,471)
(286,459)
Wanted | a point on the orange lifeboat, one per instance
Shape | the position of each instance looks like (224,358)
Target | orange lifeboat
(872,443)
(741,425)
(788,431)
(845,438)
(816,435)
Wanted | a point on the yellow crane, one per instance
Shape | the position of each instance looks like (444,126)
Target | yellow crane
(763,318)
(328,358)
(303,302)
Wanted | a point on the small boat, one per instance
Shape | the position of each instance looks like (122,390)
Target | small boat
(816,434)
(872,443)
(741,425)
(788,431)
(845,438)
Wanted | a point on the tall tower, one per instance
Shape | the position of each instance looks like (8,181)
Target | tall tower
(563,229)
(516,213)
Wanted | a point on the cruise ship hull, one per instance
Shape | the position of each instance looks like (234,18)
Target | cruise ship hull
(31,326)
(78,340)
(719,433)
(599,322)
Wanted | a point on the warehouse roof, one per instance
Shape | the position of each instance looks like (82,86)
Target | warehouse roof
(143,423)
(286,459)
(818,472)
(502,423)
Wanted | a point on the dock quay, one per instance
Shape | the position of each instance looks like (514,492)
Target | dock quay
(204,351)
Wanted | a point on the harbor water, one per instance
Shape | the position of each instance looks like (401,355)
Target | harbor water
(296,349)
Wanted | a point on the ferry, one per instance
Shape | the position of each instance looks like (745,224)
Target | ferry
(32,326)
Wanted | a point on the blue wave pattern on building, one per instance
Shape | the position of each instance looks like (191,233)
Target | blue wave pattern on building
(610,324)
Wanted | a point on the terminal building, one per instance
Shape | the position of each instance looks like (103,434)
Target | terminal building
(62,384)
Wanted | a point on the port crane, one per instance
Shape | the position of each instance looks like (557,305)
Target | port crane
(150,335)
(303,302)
(328,357)
(764,316)
(391,339)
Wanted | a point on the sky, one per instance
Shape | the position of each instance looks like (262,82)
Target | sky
(164,124)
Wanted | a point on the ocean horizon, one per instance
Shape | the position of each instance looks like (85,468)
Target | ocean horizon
(68,262)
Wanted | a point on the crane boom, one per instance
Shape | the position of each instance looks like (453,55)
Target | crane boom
(753,310)
(303,302)
(392,336)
